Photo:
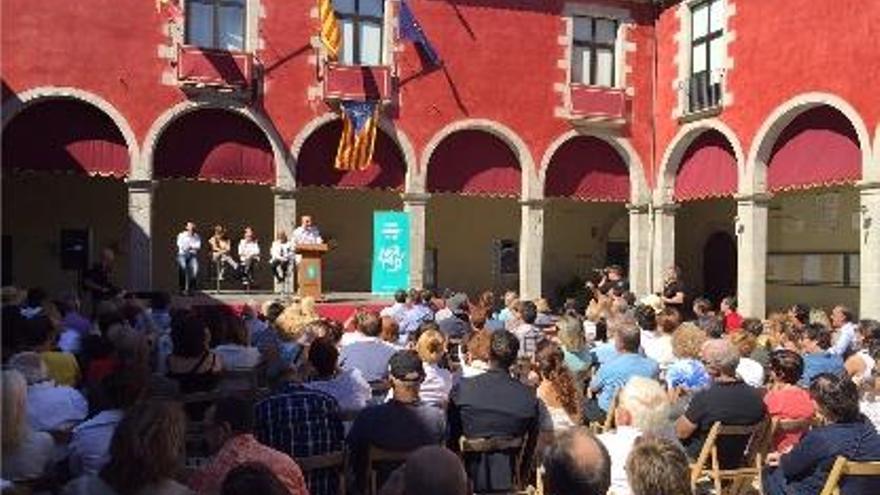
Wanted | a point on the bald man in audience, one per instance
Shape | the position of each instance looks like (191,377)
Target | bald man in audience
(431,470)
(577,464)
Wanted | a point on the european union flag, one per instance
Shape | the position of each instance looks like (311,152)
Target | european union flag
(410,29)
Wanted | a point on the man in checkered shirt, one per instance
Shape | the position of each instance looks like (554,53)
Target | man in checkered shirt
(302,423)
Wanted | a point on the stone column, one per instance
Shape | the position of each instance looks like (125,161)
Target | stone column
(869,250)
(284,209)
(531,248)
(140,235)
(284,213)
(663,255)
(751,263)
(639,249)
(415,204)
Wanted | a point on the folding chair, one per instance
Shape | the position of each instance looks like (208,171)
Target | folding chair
(491,445)
(753,455)
(335,461)
(845,467)
(608,424)
(381,456)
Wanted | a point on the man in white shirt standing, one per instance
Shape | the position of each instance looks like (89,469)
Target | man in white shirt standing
(248,255)
(188,245)
(307,232)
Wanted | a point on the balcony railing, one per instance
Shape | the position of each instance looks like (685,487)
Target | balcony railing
(357,82)
(703,91)
(597,104)
(216,68)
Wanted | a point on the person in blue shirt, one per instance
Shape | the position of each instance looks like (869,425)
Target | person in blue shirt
(418,313)
(614,374)
(816,342)
(844,432)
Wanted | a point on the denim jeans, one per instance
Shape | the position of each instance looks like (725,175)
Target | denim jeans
(188,270)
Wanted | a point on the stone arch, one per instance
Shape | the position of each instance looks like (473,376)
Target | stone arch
(530,184)
(21,101)
(672,157)
(284,178)
(413,182)
(755,178)
(639,192)
(874,174)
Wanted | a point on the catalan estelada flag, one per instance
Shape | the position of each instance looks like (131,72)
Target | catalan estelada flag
(330,34)
(359,122)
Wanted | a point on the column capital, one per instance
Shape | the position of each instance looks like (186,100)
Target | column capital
(868,185)
(141,185)
(284,192)
(760,198)
(637,208)
(536,203)
(667,208)
(414,198)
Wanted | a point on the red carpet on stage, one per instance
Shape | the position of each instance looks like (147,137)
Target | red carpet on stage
(336,310)
(341,311)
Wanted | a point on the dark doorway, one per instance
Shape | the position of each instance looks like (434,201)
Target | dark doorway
(617,253)
(719,267)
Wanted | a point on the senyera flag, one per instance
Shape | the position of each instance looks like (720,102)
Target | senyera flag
(329,32)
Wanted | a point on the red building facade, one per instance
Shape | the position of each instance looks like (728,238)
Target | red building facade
(560,129)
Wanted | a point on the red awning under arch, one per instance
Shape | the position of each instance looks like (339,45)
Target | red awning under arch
(818,148)
(314,165)
(214,145)
(65,136)
(476,163)
(708,169)
(587,168)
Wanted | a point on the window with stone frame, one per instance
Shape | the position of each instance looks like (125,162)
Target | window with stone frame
(216,24)
(706,55)
(362,24)
(593,51)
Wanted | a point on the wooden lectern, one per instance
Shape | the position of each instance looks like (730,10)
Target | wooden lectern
(308,270)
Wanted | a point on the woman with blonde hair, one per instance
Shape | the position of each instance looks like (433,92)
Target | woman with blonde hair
(26,452)
(574,344)
(818,315)
(431,348)
(686,373)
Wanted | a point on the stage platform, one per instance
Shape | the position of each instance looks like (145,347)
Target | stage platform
(335,305)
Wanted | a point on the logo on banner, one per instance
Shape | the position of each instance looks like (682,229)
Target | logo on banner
(390,251)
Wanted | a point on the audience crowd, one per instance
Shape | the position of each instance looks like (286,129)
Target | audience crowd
(445,394)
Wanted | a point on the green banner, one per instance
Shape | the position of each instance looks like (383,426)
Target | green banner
(390,251)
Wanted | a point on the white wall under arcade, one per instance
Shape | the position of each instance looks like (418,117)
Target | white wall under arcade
(813,239)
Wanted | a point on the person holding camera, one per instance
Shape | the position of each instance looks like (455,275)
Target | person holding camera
(613,281)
